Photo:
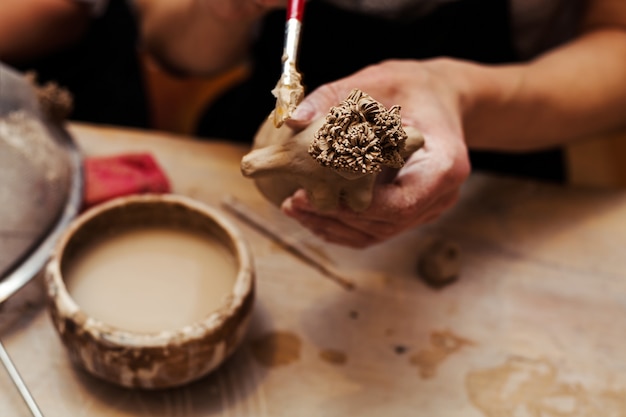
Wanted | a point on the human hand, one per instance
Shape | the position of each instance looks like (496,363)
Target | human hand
(429,182)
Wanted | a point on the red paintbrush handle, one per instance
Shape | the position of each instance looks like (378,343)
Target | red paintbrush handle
(295,9)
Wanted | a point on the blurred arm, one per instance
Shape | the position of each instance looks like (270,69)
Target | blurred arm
(32,28)
(570,92)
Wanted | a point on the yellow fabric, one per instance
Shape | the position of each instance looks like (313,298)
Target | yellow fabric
(176,103)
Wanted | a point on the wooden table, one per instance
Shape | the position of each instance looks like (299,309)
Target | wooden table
(535,326)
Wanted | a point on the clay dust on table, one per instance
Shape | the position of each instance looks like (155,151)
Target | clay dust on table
(336,159)
(532,387)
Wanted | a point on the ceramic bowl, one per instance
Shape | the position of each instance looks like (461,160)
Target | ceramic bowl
(156,358)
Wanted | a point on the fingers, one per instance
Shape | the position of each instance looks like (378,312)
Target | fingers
(420,192)
(428,183)
(329,229)
(373,80)
(360,230)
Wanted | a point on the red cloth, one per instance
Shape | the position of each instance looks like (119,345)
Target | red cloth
(115,176)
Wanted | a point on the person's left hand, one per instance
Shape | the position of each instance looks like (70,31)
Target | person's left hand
(426,186)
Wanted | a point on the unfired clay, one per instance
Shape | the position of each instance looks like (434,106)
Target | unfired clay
(335,159)
(440,262)
(56,102)
(289,93)
(152,359)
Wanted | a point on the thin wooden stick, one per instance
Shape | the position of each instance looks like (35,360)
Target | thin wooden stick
(292,246)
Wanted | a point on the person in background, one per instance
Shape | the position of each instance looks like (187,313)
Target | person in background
(88,47)
(493,85)
(34,28)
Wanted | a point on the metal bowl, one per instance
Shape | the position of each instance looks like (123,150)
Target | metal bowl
(41,183)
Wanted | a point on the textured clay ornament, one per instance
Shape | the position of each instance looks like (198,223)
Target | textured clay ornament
(336,159)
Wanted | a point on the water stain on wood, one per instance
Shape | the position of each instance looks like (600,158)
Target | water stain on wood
(276,348)
(440,263)
(335,357)
(530,387)
(442,345)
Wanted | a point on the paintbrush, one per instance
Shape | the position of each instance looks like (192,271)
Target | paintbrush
(289,91)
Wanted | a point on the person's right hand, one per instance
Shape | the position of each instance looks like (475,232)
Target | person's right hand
(430,99)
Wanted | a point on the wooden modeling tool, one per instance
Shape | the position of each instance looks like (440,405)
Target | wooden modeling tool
(289,244)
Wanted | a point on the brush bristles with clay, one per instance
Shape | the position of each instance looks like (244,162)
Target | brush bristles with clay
(289,90)
(360,136)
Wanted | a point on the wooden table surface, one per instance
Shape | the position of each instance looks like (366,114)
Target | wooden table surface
(535,326)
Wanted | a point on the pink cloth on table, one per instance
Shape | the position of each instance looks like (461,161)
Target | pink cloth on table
(120,175)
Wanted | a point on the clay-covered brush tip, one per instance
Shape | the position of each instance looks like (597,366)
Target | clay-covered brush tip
(360,136)
(289,92)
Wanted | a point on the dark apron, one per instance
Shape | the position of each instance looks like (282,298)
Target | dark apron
(101,71)
(336,43)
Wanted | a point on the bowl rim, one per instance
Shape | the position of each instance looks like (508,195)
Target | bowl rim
(59,295)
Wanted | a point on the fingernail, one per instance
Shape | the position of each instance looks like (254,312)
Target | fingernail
(303,112)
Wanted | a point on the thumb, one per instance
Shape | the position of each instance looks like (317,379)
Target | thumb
(315,105)
(303,115)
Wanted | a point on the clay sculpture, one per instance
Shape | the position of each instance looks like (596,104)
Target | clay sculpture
(336,159)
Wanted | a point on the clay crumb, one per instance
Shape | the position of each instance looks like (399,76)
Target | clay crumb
(360,136)
(335,357)
(440,263)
